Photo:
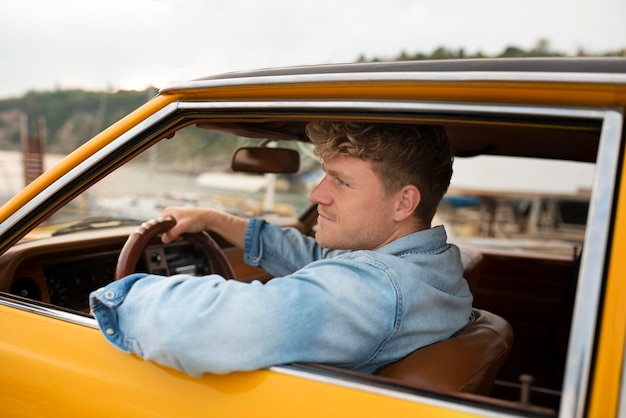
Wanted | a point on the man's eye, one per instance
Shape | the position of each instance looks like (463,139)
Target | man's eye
(341,182)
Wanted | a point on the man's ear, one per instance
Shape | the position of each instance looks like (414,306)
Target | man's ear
(409,197)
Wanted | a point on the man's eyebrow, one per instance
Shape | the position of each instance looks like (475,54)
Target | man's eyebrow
(342,175)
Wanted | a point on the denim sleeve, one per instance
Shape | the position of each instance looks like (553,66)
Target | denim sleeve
(281,251)
(104,302)
(209,324)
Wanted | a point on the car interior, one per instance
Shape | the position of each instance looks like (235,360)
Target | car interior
(523,276)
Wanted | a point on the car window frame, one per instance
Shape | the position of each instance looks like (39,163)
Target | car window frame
(593,263)
(161,123)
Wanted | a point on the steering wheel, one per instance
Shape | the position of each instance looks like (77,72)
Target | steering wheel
(149,230)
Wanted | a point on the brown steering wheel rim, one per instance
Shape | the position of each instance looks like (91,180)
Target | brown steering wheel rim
(149,230)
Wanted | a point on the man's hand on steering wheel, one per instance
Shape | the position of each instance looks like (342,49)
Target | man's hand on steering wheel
(188,220)
(148,231)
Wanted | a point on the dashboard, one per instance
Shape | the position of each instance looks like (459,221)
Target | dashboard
(63,270)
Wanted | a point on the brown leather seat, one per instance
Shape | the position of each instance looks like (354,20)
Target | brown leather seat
(469,361)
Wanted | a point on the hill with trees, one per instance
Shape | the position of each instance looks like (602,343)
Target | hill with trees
(71,116)
(540,49)
(74,116)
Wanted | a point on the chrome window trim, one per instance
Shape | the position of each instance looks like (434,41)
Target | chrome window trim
(401,76)
(397,106)
(48,311)
(576,379)
(590,283)
(392,393)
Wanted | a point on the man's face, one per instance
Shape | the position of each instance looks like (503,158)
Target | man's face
(353,211)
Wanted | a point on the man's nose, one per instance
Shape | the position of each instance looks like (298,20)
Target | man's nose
(319,195)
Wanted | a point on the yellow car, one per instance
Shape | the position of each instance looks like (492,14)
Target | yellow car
(537,204)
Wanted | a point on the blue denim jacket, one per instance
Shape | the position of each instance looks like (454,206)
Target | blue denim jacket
(359,310)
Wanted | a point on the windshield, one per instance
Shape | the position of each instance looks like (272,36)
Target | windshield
(192,169)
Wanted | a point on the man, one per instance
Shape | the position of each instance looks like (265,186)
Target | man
(376,283)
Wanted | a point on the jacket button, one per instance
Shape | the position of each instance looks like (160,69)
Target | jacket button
(110,331)
(109,294)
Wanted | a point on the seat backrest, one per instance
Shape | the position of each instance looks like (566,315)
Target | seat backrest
(469,361)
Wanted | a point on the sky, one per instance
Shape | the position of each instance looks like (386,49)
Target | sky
(133,44)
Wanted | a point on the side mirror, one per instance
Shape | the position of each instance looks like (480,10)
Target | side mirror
(265,160)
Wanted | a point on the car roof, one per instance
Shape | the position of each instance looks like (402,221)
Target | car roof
(560,65)
(573,82)
(610,65)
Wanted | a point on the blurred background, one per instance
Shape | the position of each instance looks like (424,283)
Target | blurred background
(70,68)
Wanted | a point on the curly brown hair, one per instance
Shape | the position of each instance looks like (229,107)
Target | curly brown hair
(400,154)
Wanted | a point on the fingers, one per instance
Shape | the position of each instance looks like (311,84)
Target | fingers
(188,220)
(168,237)
(173,234)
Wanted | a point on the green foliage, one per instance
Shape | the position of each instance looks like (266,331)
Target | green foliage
(541,49)
(71,116)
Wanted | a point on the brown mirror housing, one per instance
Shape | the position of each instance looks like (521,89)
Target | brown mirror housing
(265,160)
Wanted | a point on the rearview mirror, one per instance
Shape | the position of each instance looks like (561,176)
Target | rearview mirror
(265,160)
